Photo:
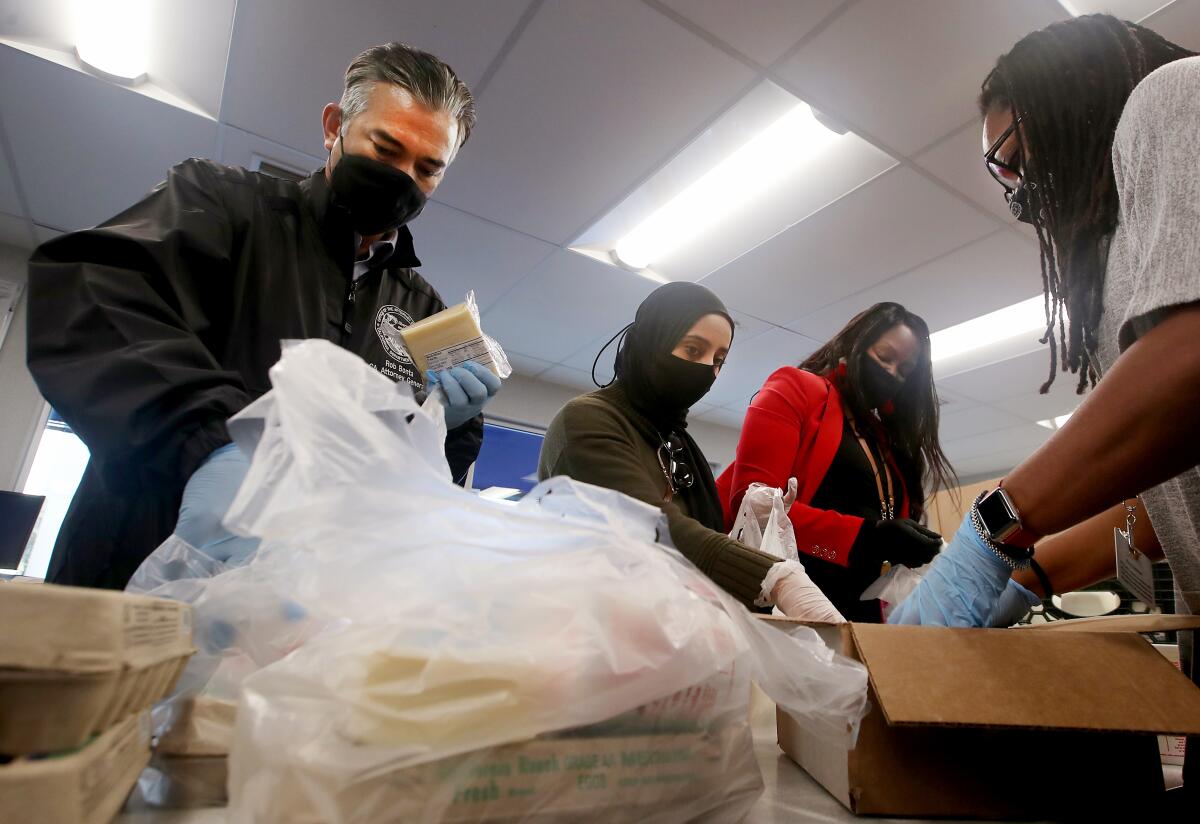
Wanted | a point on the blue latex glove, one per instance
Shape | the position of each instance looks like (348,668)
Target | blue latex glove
(1015,602)
(466,390)
(206,498)
(961,588)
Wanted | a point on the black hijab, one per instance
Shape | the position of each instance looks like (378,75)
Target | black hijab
(660,323)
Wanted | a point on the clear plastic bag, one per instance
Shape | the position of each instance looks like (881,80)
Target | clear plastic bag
(398,642)
(893,587)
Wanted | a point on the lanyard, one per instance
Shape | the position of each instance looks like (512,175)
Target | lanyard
(887,504)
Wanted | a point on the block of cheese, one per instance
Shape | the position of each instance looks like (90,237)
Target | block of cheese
(450,338)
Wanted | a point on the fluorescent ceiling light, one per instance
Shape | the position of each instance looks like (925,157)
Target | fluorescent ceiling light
(792,141)
(1056,423)
(499,493)
(113,38)
(1010,322)
(1069,7)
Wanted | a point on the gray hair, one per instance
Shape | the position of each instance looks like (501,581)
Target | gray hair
(429,80)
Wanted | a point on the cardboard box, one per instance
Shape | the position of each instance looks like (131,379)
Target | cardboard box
(1172,749)
(185,781)
(1002,723)
(617,780)
(76,661)
(200,726)
(87,786)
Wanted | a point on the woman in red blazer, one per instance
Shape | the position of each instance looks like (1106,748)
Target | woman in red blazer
(856,424)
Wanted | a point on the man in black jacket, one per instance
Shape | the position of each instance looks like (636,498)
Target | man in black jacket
(149,331)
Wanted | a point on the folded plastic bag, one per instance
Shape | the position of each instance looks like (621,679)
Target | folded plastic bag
(395,630)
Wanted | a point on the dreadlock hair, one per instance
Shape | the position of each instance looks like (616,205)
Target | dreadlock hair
(1068,84)
(912,426)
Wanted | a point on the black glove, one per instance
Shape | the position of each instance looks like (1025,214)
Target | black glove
(898,540)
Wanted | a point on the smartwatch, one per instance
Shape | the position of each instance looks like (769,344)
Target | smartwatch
(1001,522)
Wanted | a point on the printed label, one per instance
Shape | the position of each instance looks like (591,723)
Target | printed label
(152,625)
(474,349)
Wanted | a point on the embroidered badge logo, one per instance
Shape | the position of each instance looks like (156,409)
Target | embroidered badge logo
(388,323)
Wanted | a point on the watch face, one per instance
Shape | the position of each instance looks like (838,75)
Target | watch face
(998,517)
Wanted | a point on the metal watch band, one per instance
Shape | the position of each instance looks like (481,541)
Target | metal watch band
(1003,552)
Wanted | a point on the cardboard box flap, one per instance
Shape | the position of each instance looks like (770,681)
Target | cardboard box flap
(933,676)
(1120,623)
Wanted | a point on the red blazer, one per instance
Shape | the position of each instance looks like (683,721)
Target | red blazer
(792,430)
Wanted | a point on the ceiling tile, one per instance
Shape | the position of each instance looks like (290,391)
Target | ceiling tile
(9,202)
(589,100)
(565,376)
(764,35)
(98,149)
(15,231)
(1179,22)
(1033,406)
(989,274)
(460,252)
(1125,9)
(526,365)
(976,420)
(240,148)
(908,73)
(1023,437)
(45,233)
(889,225)
(749,365)
(564,303)
(1019,376)
(957,161)
(288,57)
(726,417)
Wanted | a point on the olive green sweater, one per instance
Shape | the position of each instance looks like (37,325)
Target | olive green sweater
(595,439)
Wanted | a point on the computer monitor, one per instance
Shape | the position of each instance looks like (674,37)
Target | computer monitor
(18,515)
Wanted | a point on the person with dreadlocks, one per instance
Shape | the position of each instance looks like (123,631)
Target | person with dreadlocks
(1092,125)
(856,423)
(632,436)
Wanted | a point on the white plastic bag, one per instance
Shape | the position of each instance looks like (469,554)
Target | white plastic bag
(893,587)
(762,522)
(396,637)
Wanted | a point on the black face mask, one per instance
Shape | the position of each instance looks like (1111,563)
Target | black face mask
(678,383)
(376,197)
(879,385)
(1021,204)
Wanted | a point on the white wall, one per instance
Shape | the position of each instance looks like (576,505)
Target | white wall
(534,403)
(21,404)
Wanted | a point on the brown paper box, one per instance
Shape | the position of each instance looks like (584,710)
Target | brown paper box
(997,723)
(86,787)
(76,661)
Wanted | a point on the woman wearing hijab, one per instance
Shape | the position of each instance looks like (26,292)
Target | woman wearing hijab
(631,436)
(856,424)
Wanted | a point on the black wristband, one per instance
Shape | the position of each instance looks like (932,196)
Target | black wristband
(1043,579)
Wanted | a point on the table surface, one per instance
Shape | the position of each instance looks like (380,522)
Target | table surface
(790,795)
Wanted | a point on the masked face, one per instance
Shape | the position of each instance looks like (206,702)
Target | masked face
(376,197)
(879,385)
(679,383)
(1023,203)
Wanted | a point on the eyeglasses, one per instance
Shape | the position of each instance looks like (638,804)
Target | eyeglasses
(1007,174)
(678,474)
